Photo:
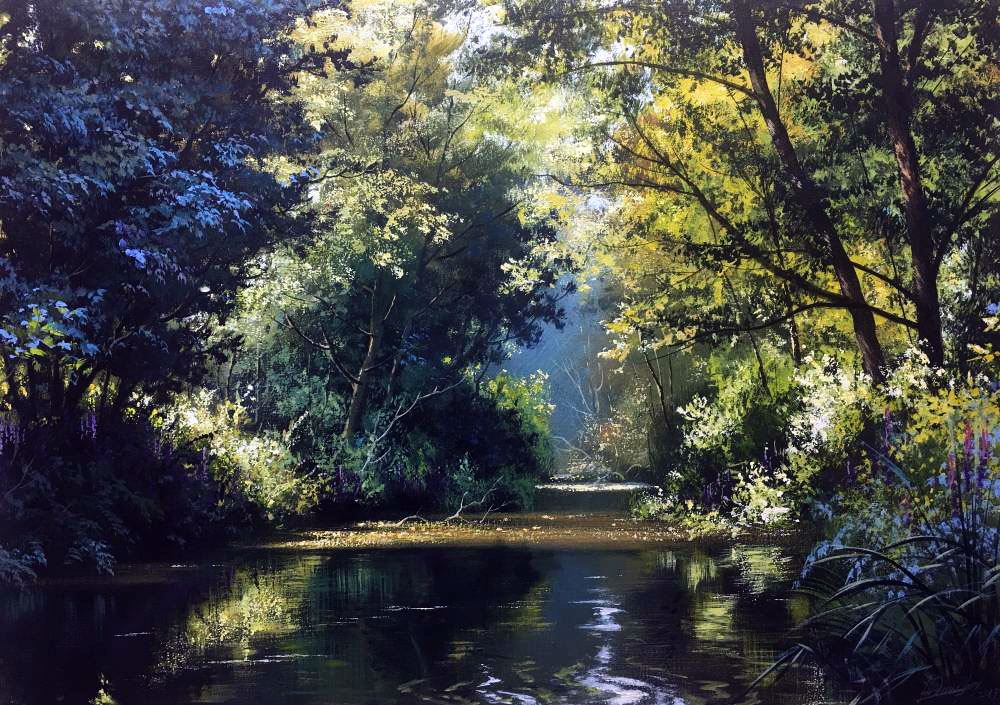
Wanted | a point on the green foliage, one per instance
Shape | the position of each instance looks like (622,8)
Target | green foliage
(466,445)
(906,594)
(243,279)
(732,442)
(79,511)
(753,157)
(696,522)
(256,470)
(148,186)
(189,162)
(135,198)
(527,401)
(18,567)
(359,333)
(103,696)
(749,160)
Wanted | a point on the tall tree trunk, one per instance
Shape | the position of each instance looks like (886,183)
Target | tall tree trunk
(794,342)
(423,260)
(359,389)
(896,100)
(362,383)
(660,392)
(809,197)
(397,358)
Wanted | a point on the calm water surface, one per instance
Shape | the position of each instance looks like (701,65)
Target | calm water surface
(440,625)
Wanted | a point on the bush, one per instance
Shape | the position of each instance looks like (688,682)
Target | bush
(734,445)
(156,477)
(81,496)
(18,567)
(460,444)
(907,592)
(260,476)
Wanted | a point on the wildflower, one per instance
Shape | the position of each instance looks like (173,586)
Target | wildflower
(968,454)
(984,458)
(11,434)
(88,426)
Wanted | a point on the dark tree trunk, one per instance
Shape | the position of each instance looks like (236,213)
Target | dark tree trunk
(359,389)
(794,342)
(896,100)
(397,359)
(810,199)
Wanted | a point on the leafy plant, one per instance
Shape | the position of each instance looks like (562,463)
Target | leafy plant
(918,616)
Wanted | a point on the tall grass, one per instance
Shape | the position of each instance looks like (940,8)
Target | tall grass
(916,620)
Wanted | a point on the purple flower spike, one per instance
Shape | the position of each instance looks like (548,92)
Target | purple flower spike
(88,426)
(984,458)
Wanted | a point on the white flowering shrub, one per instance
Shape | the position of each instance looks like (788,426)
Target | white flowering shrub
(734,445)
(836,405)
(761,496)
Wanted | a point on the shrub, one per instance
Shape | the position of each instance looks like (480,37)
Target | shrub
(460,444)
(18,567)
(907,594)
(80,495)
(258,472)
(734,445)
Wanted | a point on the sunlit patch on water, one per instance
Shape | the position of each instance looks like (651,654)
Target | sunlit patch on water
(278,658)
(401,608)
(617,689)
(605,621)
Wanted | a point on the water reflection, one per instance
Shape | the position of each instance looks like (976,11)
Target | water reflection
(446,626)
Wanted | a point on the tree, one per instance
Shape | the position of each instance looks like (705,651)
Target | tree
(404,286)
(801,103)
(134,140)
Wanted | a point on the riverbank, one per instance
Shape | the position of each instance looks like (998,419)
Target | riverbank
(544,530)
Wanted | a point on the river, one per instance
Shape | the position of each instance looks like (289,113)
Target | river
(524,624)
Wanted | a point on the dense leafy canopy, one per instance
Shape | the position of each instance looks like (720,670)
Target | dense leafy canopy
(135,185)
(312,205)
(837,155)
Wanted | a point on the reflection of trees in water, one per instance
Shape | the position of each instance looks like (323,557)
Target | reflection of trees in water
(470,585)
(761,567)
(252,602)
(58,641)
(362,626)
(714,617)
(369,621)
